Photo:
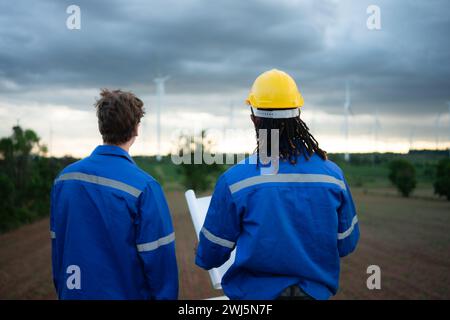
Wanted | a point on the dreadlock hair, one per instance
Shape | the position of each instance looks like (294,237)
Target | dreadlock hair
(294,138)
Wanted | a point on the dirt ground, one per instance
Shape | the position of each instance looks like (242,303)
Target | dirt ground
(409,239)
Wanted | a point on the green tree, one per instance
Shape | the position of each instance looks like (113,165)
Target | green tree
(7,204)
(26,178)
(199,177)
(403,175)
(442,180)
(16,150)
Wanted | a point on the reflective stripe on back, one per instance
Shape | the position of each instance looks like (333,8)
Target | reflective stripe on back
(286,178)
(100,181)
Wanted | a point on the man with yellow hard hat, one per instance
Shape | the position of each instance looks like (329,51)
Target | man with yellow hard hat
(290,226)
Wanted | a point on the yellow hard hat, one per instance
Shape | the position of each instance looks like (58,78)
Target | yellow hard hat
(274,89)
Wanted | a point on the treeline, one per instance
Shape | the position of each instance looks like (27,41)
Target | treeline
(404,171)
(402,174)
(26,178)
(27,174)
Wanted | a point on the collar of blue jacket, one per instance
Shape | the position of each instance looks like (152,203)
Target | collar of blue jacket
(111,150)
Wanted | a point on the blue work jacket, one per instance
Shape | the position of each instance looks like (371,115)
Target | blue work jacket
(111,230)
(288,227)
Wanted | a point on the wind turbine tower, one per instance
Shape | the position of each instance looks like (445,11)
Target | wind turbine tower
(347,112)
(448,103)
(376,129)
(376,126)
(227,126)
(411,138)
(437,125)
(231,115)
(160,92)
(312,122)
(50,142)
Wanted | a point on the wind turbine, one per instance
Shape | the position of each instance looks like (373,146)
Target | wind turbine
(50,142)
(411,138)
(231,119)
(230,124)
(347,112)
(375,129)
(160,92)
(312,122)
(448,103)
(376,126)
(437,124)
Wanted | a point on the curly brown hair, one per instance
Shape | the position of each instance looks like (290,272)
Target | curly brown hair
(119,113)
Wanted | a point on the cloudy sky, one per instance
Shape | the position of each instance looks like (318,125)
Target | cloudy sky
(213,50)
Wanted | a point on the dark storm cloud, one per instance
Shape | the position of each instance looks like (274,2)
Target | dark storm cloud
(200,42)
(221,46)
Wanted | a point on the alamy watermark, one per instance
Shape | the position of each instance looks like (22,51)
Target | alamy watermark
(73,21)
(373,21)
(374,280)
(195,149)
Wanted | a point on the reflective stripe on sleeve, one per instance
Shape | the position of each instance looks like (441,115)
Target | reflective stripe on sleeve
(100,181)
(349,231)
(150,246)
(217,240)
(286,177)
(52,234)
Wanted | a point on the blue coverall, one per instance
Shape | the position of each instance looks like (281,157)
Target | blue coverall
(111,230)
(288,228)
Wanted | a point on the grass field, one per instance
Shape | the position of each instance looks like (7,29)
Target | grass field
(408,238)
